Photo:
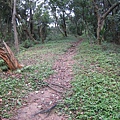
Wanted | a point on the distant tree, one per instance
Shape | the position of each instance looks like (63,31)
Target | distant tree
(15,27)
(59,10)
(80,11)
(5,19)
(25,13)
(42,19)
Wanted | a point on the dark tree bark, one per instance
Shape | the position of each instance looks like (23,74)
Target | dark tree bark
(64,25)
(31,21)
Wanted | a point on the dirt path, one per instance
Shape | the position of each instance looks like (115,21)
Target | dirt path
(49,96)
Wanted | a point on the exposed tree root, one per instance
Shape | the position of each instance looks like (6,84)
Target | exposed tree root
(46,111)
(55,89)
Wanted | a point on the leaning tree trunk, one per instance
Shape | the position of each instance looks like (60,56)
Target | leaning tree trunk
(7,55)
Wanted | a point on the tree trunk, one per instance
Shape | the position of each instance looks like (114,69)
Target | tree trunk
(7,55)
(101,18)
(29,34)
(56,24)
(26,30)
(31,21)
(15,27)
(60,30)
(99,28)
(64,25)
(43,32)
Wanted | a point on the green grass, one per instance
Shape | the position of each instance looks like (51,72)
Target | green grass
(96,86)
(38,61)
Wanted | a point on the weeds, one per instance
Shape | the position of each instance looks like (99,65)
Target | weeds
(96,86)
(38,61)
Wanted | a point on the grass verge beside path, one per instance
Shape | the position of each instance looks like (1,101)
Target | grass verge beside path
(96,86)
(38,61)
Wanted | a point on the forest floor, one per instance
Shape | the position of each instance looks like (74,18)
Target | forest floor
(63,79)
(47,98)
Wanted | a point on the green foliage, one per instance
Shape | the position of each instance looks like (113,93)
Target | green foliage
(96,84)
(1,62)
(27,44)
(52,36)
(9,93)
(3,66)
(0,35)
(72,28)
(38,61)
(42,15)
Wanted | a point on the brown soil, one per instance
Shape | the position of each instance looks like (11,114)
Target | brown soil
(49,96)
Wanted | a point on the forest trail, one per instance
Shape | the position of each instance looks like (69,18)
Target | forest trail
(48,97)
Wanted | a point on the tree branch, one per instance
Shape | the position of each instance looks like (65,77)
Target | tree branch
(109,10)
(96,9)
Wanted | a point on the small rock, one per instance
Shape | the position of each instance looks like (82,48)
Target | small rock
(70,112)
(43,99)
(36,92)
(50,102)
(59,113)
(57,97)
(40,106)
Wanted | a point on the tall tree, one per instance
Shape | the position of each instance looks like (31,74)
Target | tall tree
(15,27)
(80,10)
(42,19)
(59,9)
(26,9)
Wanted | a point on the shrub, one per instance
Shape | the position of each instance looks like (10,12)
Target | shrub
(27,43)
(3,66)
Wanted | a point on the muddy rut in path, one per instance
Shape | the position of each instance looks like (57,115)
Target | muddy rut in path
(48,97)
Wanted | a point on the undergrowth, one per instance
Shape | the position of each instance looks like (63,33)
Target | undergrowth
(96,86)
(38,61)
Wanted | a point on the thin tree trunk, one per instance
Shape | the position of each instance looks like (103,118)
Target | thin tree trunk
(43,32)
(31,21)
(58,25)
(15,27)
(64,25)
(29,34)
(60,30)
(26,30)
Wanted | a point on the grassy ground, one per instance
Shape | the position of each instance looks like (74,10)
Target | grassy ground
(38,61)
(96,86)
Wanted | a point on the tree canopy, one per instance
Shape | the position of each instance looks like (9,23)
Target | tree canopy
(97,18)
